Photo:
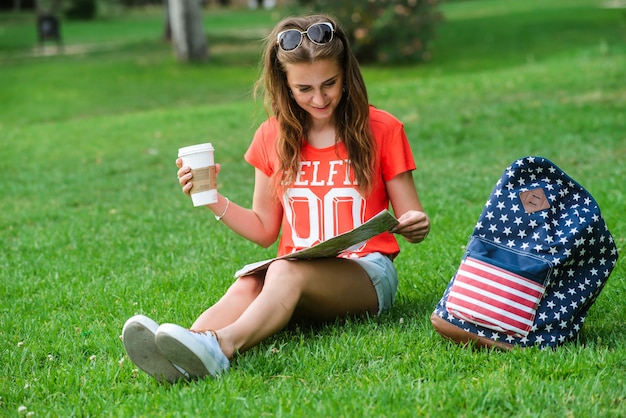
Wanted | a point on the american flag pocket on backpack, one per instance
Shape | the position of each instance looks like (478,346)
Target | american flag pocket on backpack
(498,288)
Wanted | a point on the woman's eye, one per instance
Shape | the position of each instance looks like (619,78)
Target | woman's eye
(304,89)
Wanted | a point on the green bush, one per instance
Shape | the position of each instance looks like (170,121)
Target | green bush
(82,9)
(385,31)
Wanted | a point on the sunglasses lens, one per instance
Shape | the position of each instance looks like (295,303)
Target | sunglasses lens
(290,39)
(320,33)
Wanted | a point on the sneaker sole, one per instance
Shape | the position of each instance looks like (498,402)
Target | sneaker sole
(138,336)
(184,350)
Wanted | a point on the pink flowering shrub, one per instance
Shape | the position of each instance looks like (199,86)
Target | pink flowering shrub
(385,31)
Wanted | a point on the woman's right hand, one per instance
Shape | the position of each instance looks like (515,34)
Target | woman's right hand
(185,175)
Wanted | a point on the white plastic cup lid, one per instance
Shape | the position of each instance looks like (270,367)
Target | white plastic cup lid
(194,149)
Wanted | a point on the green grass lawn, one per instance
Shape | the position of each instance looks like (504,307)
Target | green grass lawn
(94,227)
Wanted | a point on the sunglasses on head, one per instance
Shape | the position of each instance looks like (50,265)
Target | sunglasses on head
(318,33)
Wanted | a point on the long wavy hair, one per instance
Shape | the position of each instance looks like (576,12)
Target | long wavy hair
(352,113)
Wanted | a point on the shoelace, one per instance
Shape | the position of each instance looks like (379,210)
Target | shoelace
(205,333)
(208,333)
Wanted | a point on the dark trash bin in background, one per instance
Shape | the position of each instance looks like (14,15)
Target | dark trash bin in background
(49,29)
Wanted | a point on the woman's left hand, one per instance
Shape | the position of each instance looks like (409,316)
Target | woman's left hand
(413,225)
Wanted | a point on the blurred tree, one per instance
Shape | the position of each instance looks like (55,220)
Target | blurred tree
(385,31)
(72,9)
(48,7)
(17,5)
(167,27)
(188,37)
(81,9)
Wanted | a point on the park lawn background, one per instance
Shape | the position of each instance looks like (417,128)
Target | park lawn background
(95,228)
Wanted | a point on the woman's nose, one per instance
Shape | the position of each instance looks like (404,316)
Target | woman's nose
(318,97)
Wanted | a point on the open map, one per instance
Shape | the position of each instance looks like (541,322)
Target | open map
(332,247)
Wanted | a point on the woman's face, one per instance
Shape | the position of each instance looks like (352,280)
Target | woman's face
(317,88)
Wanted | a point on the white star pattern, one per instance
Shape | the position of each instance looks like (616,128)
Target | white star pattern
(570,236)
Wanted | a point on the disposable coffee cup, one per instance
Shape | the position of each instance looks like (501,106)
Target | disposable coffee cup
(200,159)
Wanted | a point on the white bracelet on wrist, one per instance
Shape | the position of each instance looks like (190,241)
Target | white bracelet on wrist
(219,218)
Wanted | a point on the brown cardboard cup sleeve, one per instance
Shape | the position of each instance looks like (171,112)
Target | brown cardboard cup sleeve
(203,179)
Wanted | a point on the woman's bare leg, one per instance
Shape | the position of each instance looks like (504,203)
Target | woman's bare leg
(321,289)
(230,307)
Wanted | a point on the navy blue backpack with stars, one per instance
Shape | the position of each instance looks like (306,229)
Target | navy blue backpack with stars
(536,261)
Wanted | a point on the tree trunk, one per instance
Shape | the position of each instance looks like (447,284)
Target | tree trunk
(189,39)
(167,30)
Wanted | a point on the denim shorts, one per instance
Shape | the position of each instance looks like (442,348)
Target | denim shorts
(383,275)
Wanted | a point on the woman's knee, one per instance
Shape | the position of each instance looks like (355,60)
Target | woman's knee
(285,273)
(247,287)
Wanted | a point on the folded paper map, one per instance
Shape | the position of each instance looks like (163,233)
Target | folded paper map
(332,247)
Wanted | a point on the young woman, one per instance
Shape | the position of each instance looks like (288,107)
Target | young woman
(325,162)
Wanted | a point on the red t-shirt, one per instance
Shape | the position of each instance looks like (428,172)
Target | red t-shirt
(324,201)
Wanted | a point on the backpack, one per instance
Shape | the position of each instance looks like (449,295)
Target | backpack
(536,261)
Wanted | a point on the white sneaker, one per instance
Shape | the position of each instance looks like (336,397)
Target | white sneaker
(138,337)
(198,353)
